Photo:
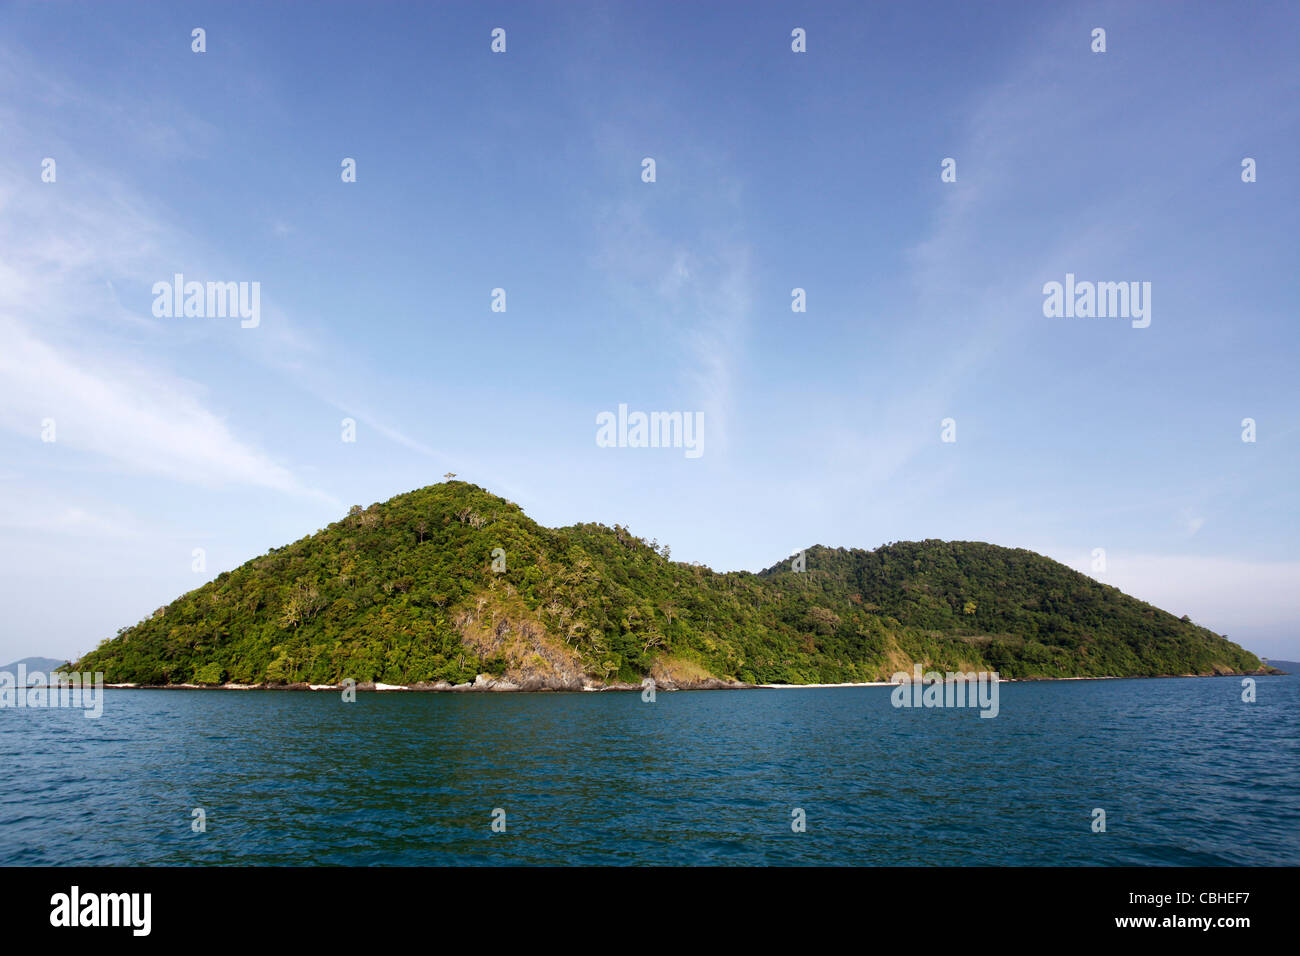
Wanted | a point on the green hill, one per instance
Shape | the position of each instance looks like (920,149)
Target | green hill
(405,592)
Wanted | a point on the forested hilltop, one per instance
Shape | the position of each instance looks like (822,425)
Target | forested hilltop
(449,582)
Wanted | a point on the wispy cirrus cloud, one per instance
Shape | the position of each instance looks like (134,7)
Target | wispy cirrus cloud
(74,352)
(80,346)
(141,419)
(702,287)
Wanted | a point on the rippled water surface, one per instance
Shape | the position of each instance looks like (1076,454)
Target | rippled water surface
(1186,772)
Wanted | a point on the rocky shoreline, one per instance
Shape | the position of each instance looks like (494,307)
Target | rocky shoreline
(486,683)
(482,683)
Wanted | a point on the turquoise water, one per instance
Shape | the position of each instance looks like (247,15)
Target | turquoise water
(1186,772)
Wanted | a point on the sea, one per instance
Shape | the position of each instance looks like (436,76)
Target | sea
(1156,772)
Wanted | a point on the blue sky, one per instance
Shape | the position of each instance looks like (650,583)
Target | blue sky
(774,170)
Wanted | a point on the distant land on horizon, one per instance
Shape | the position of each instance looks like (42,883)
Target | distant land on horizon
(42,664)
(450,585)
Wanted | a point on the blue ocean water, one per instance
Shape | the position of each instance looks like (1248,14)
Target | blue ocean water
(1186,772)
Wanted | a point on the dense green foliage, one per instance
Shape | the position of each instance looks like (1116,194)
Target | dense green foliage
(406,591)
